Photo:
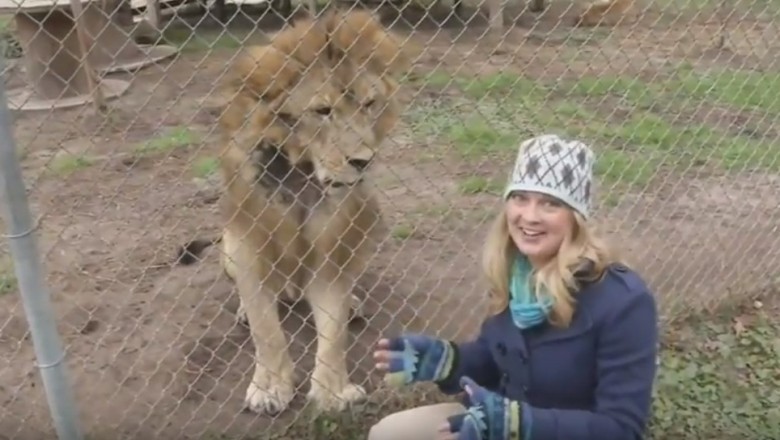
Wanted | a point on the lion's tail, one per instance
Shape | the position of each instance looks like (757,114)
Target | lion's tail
(190,252)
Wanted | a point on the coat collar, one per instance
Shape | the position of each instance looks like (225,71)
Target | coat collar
(582,321)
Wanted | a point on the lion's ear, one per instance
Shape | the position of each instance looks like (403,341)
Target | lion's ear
(360,36)
(302,41)
(264,71)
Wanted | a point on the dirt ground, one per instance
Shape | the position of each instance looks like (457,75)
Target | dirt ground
(154,350)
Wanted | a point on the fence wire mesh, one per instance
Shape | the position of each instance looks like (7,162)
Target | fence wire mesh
(116,107)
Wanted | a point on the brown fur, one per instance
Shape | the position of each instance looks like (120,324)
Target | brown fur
(296,144)
(604,13)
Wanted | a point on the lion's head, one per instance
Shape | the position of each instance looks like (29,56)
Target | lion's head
(322,94)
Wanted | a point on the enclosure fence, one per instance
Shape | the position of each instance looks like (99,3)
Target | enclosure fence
(141,173)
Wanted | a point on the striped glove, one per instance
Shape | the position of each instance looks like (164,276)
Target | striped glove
(419,358)
(490,416)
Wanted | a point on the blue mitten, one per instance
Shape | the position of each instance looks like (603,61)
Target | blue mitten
(490,416)
(419,358)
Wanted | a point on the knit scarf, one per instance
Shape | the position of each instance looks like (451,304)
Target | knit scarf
(526,307)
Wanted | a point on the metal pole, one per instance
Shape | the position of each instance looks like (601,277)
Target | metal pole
(35,297)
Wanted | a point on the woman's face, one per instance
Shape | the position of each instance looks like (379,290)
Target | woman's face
(538,224)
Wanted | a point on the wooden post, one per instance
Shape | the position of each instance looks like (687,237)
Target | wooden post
(78,19)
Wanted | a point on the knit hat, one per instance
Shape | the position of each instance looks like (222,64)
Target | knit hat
(557,167)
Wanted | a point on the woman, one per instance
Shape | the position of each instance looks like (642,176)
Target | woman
(569,352)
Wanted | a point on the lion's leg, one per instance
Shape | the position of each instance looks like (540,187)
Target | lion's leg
(288,291)
(272,386)
(330,302)
(229,252)
(229,244)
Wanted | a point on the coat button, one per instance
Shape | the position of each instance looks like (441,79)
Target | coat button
(501,348)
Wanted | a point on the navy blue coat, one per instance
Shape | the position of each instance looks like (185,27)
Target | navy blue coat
(590,381)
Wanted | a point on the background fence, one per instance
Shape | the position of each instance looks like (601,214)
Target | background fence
(679,100)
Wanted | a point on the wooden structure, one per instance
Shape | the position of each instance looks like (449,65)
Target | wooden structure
(57,75)
(112,48)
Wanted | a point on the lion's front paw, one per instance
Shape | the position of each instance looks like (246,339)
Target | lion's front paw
(270,399)
(327,399)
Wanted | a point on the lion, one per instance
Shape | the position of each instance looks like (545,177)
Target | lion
(308,113)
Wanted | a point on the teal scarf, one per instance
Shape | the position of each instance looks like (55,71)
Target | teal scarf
(525,306)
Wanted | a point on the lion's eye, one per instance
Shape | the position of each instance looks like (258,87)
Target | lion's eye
(369,103)
(324,111)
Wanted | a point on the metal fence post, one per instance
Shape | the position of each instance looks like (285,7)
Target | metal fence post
(35,297)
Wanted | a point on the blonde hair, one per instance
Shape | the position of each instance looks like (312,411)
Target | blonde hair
(556,277)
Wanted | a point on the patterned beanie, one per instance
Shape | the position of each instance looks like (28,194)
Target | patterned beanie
(557,167)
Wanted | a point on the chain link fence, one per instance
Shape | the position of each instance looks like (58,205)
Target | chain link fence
(113,118)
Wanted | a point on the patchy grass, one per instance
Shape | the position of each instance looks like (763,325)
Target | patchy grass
(205,166)
(64,164)
(178,137)
(720,378)
(402,231)
(478,184)
(749,90)
(684,86)
(637,127)
(670,112)
(7,277)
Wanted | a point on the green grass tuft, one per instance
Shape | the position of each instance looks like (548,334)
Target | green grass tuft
(402,232)
(205,166)
(65,164)
(477,185)
(8,282)
(178,137)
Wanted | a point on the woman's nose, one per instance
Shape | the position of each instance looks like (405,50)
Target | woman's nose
(529,212)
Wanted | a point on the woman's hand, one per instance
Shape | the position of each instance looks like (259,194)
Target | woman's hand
(414,358)
(491,416)
(382,355)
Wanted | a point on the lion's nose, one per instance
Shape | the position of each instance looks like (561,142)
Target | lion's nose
(359,164)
